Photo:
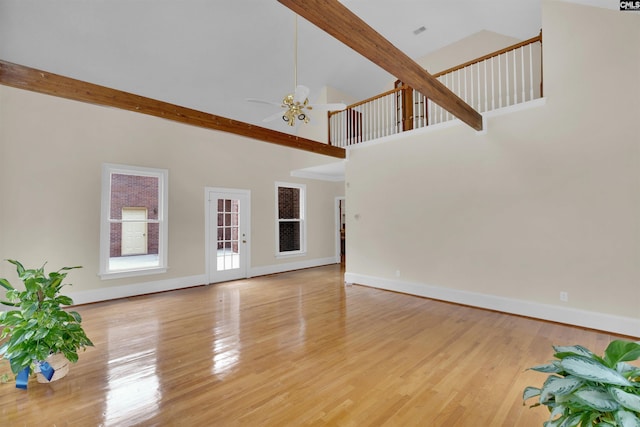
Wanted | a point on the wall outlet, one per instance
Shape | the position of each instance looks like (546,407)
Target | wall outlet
(397,273)
(564,296)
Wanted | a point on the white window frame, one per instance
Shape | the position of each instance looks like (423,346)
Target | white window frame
(108,169)
(302,220)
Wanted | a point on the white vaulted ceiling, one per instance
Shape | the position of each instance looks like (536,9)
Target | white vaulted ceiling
(213,54)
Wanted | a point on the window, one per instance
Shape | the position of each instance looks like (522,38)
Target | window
(290,214)
(133,234)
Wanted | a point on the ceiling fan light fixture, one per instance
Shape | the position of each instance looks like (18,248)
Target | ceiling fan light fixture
(294,103)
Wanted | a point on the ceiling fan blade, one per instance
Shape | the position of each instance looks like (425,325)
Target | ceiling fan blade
(329,107)
(260,101)
(301,93)
(274,116)
(338,21)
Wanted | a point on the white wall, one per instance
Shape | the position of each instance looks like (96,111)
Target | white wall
(51,152)
(547,200)
(466,49)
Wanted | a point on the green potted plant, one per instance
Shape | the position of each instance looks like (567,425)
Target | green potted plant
(39,333)
(584,389)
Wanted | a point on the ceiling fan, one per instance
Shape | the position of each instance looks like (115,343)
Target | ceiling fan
(295,105)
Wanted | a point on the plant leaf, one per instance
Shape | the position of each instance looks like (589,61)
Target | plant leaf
(592,370)
(64,300)
(621,351)
(549,368)
(572,349)
(530,392)
(627,369)
(10,304)
(572,420)
(556,386)
(626,419)
(597,399)
(19,267)
(628,400)
(70,268)
(5,284)
(552,423)
(76,316)
(558,411)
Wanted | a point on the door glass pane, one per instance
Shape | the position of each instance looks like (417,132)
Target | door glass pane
(228,247)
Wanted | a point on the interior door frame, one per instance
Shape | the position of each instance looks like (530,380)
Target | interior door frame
(338,222)
(210,270)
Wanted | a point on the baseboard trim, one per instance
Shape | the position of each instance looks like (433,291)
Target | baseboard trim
(290,266)
(125,291)
(587,319)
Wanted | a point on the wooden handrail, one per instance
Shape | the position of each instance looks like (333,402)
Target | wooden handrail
(537,38)
(373,98)
(404,113)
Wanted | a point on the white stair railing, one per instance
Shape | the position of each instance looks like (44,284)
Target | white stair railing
(507,77)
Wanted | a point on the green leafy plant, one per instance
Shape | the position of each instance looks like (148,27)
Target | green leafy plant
(584,389)
(39,325)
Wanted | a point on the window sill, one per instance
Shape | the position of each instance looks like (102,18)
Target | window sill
(291,254)
(131,273)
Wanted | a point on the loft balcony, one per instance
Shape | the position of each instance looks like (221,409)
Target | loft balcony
(503,78)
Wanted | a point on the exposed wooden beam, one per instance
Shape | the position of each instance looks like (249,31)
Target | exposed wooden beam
(337,20)
(31,79)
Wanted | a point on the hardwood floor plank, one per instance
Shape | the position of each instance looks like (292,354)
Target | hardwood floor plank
(296,349)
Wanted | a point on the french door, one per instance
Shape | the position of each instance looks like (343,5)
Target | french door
(228,221)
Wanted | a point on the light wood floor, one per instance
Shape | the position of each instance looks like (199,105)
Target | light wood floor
(296,349)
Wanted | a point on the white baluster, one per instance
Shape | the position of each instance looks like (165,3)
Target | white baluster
(334,129)
(522,71)
(466,94)
(445,112)
(531,71)
(472,88)
(366,121)
(393,121)
(478,80)
(515,79)
(377,118)
(373,120)
(385,115)
(493,85)
(486,94)
(393,115)
(378,121)
(459,72)
(343,130)
(507,83)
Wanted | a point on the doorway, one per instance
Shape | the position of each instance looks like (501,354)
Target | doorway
(341,227)
(228,216)
(134,231)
